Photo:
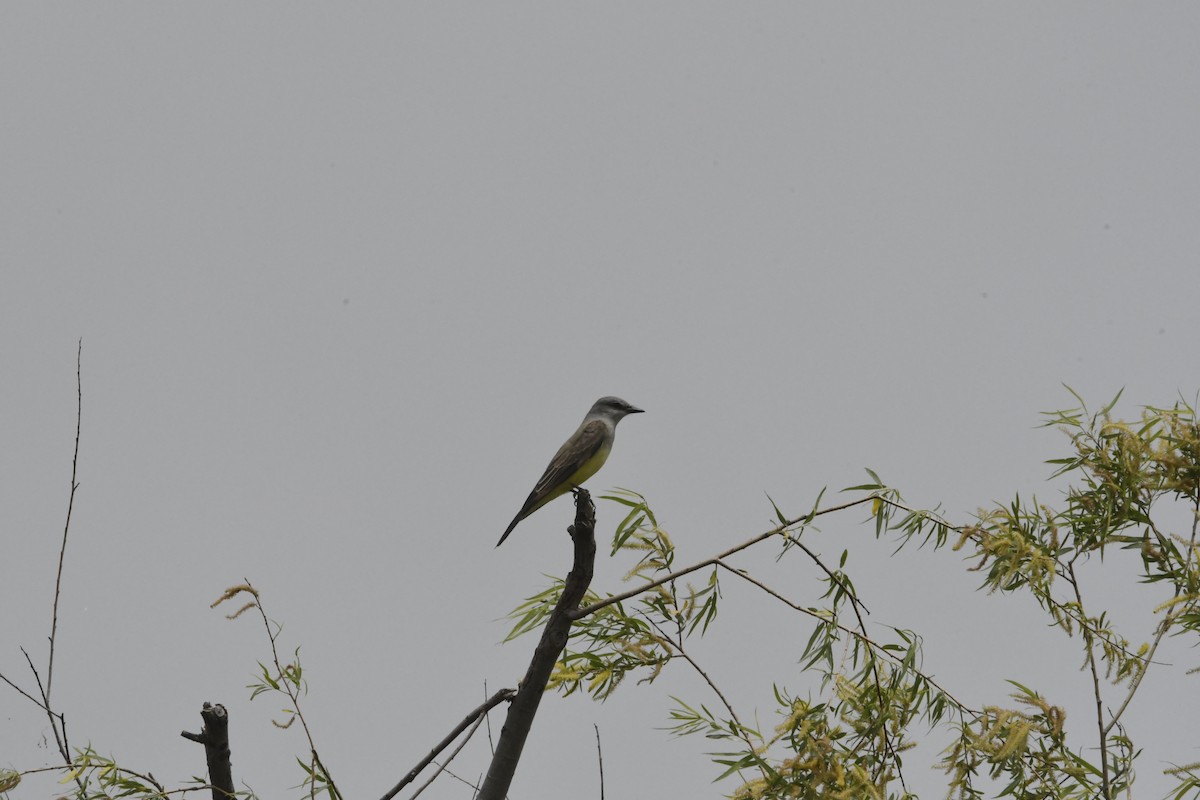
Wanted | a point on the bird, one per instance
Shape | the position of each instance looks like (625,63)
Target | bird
(579,457)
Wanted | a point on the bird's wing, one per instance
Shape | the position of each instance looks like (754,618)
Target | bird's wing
(566,462)
(569,458)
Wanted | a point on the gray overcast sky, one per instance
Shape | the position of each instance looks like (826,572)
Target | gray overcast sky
(346,275)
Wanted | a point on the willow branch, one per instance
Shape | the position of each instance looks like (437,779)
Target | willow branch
(1089,645)
(708,562)
(850,632)
(477,715)
(1163,626)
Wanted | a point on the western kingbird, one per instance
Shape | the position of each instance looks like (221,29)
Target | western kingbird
(578,458)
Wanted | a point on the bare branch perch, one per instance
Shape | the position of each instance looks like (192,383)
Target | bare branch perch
(215,738)
(554,639)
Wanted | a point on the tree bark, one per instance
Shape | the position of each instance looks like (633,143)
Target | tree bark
(554,639)
(215,738)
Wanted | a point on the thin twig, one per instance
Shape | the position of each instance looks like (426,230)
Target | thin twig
(477,715)
(58,722)
(886,712)
(833,576)
(488,722)
(35,701)
(335,794)
(62,552)
(1091,660)
(1040,596)
(678,647)
(442,766)
(57,725)
(616,598)
(1163,626)
(600,759)
(855,603)
(292,694)
(37,678)
(851,632)
(160,790)
(45,703)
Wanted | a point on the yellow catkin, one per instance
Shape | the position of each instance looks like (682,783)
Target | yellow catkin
(1015,741)
(9,779)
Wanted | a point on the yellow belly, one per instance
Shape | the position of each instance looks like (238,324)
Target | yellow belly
(586,470)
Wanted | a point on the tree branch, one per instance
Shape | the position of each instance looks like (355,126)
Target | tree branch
(616,598)
(741,729)
(215,738)
(1163,626)
(554,638)
(851,632)
(475,716)
(59,727)
(289,686)
(599,758)
(445,764)
(1041,596)
(1091,660)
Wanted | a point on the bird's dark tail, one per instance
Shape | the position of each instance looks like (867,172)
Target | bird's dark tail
(511,525)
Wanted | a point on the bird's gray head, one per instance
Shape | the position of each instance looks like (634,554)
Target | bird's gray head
(612,408)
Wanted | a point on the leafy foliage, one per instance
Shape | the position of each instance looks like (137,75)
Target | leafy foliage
(866,699)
